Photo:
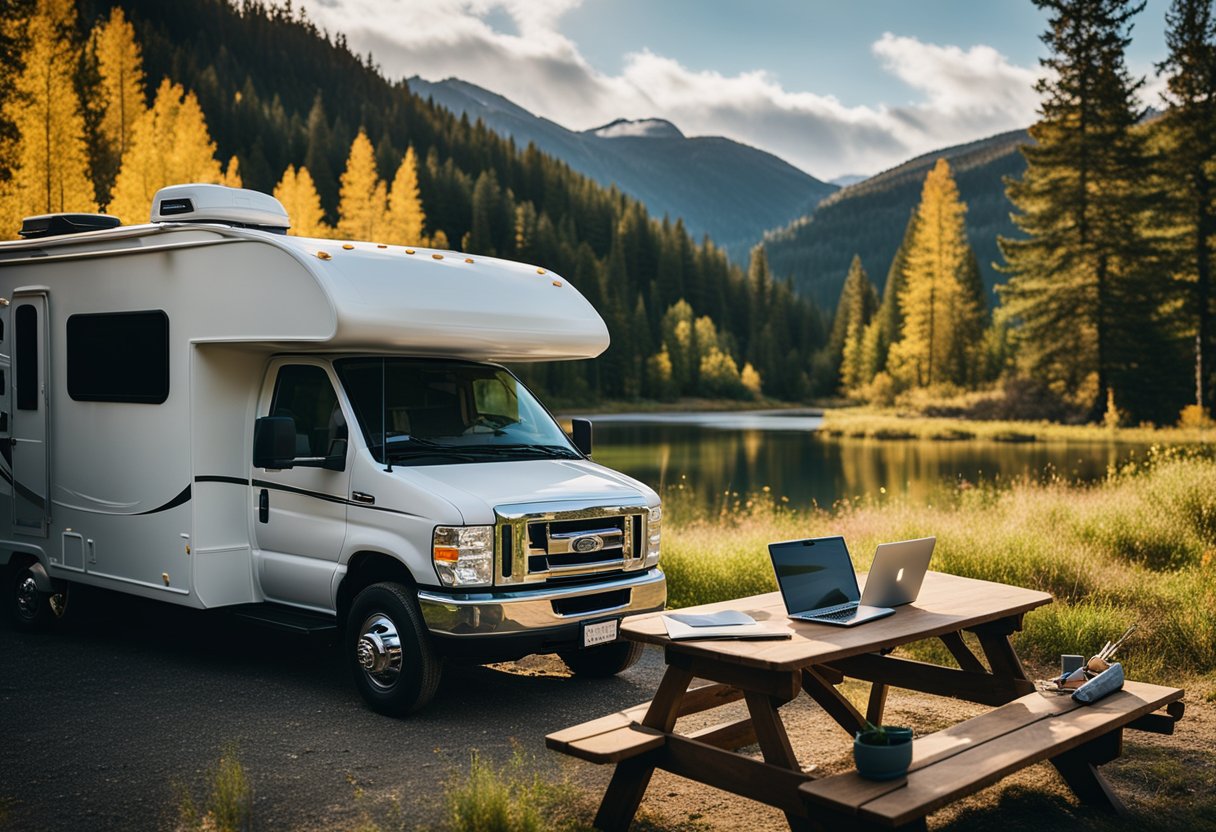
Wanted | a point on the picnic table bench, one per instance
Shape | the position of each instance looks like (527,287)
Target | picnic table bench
(1027,727)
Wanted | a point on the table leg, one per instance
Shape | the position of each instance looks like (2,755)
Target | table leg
(774,742)
(830,699)
(631,777)
(994,638)
(878,703)
(1079,768)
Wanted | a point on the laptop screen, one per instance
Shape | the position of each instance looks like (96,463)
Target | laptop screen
(814,574)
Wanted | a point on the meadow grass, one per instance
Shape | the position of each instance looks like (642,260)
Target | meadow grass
(873,423)
(1138,547)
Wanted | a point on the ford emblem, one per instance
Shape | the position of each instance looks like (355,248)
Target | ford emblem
(591,543)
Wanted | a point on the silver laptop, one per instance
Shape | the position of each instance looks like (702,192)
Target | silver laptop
(818,583)
(897,572)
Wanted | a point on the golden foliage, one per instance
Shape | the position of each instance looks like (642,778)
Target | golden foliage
(362,194)
(120,66)
(934,301)
(232,174)
(154,161)
(299,196)
(405,214)
(52,158)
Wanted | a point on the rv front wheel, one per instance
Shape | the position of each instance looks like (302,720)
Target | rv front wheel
(30,608)
(395,668)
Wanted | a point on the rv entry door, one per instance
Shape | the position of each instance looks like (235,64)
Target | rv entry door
(28,418)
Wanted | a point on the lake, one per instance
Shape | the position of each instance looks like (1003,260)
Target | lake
(716,456)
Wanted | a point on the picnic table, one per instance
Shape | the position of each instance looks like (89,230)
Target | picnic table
(817,657)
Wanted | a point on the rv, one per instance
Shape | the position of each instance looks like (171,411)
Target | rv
(314,433)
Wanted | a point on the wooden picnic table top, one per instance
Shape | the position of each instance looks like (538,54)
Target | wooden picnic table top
(946,604)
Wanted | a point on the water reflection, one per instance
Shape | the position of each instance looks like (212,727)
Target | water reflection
(718,453)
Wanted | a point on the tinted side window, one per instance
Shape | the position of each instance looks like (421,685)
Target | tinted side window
(119,357)
(26,321)
(304,393)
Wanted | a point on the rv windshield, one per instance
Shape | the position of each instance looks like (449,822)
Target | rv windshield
(428,412)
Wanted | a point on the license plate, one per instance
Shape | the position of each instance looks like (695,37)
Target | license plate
(600,632)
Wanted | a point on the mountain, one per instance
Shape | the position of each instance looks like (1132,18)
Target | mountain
(869,218)
(730,191)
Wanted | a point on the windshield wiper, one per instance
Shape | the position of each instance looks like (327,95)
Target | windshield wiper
(552,451)
(409,447)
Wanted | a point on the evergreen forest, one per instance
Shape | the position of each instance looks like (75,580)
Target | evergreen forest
(1103,263)
(255,95)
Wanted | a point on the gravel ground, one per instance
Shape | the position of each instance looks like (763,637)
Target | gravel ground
(101,723)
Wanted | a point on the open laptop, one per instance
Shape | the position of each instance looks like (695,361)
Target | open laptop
(818,583)
(897,572)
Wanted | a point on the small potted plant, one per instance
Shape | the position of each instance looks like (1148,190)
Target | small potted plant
(882,752)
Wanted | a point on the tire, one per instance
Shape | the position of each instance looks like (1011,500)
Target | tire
(601,662)
(30,609)
(395,675)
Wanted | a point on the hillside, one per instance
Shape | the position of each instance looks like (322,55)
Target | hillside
(730,191)
(869,218)
(275,91)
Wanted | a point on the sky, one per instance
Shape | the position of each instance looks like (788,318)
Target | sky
(835,87)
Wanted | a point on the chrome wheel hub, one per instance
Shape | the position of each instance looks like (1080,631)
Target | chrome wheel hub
(27,597)
(378,650)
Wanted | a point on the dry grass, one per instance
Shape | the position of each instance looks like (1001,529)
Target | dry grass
(871,423)
(1139,546)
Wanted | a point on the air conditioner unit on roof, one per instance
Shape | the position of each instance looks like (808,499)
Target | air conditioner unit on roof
(216,203)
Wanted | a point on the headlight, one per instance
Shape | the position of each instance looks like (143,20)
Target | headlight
(464,555)
(653,534)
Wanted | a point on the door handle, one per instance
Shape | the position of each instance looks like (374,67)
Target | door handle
(264,506)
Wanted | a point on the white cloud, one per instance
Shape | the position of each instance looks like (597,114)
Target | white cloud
(961,95)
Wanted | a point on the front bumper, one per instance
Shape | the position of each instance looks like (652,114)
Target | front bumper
(528,611)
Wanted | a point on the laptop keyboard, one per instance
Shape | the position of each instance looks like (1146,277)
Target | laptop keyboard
(839,615)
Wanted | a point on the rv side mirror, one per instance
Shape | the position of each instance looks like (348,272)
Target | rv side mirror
(581,428)
(336,460)
(274,442)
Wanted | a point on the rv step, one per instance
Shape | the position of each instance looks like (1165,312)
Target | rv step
(287,619)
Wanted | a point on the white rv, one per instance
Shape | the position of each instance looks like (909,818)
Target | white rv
(205,411)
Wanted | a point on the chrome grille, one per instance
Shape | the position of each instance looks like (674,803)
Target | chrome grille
(548,541)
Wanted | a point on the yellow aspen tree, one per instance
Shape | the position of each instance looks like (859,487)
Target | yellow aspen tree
(170,145)
(405,215)
(299,196)
(232,174)
(52,156)
(120,65)
(361,196)
(934,301)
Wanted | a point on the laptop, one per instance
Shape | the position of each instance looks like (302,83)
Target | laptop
(817,582)
(897,572)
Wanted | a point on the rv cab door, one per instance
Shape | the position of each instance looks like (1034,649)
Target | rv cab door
(300,512)
(29,423)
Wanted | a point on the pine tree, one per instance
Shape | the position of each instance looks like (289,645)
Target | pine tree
(405,215)
(887,326)
(52,155)
(151,163)
(303,205)
(1188,133)
(858,303)
(120,92)
(1082,285)
(942,321)
(361,196)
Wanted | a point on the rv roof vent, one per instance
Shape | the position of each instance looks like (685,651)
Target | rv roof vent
(54,225)
(215,203)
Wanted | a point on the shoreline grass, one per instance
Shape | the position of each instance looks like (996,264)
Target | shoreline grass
(871,423)
(1138,546)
